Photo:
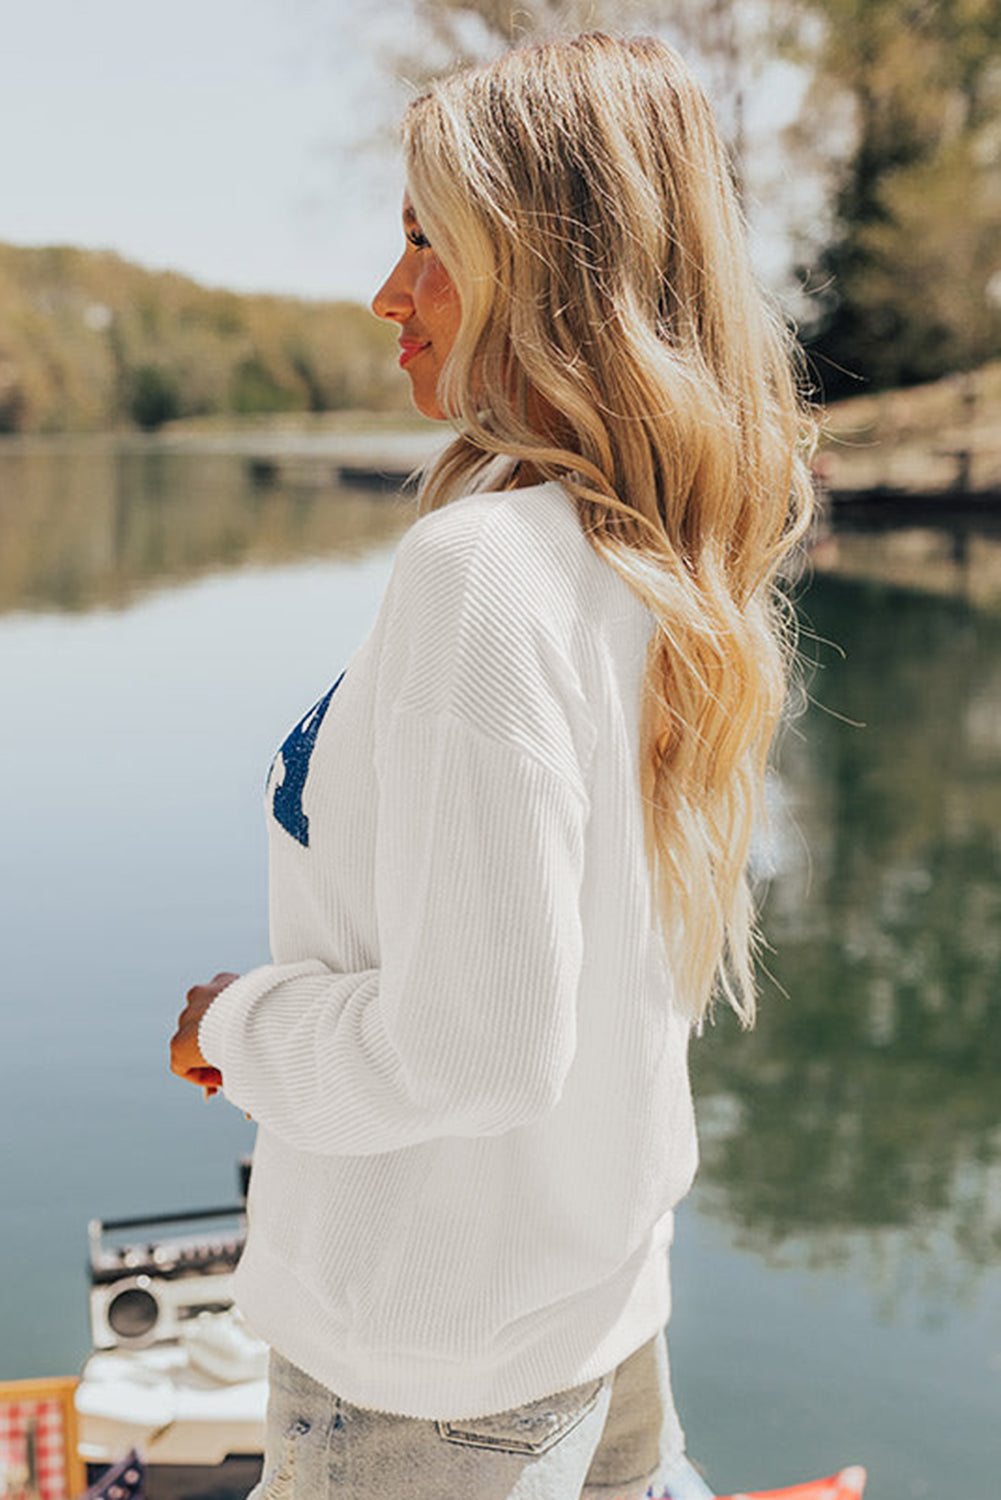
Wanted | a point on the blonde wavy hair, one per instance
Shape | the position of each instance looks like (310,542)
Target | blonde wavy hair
(613,337)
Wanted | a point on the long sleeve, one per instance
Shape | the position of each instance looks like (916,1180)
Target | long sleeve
(467,1025)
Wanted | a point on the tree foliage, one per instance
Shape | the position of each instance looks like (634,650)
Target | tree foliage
(909,266)
(89,341)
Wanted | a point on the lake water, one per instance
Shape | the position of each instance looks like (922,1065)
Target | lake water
(836,1270)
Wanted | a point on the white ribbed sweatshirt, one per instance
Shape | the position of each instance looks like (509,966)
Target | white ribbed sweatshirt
(465,1061)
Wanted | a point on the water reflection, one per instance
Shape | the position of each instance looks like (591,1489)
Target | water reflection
(867,1099)
(100,525)
(962,560)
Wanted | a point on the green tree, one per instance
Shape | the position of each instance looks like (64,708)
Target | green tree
(911,252)
(154,397)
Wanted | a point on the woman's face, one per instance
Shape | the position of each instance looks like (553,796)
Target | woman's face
(418,294)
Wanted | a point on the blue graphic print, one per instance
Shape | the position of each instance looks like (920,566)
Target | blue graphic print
(294,756)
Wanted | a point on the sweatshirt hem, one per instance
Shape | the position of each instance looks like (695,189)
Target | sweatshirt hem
(584,1346)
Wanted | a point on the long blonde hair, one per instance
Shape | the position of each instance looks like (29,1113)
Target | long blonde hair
(613,336)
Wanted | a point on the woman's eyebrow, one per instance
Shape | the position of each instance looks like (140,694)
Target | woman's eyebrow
(409,217)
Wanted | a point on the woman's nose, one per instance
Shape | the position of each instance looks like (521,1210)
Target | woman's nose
(393,299)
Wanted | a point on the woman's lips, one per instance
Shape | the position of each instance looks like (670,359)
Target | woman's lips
(410,348)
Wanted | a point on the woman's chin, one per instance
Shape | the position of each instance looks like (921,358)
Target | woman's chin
(424,394)
(426,403)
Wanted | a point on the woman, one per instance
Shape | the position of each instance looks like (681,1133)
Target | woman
(508,852)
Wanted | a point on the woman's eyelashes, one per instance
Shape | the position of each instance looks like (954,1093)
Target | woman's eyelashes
(418,239)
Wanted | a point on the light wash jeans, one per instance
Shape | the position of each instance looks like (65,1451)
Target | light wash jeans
(612,1439)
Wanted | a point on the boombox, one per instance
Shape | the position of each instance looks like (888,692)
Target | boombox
(143,1291)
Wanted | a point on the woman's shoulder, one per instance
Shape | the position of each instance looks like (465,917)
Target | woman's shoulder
(516,560)
(538,516)
(494,566)
(522,550)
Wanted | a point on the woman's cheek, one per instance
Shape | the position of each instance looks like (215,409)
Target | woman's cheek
(438,292)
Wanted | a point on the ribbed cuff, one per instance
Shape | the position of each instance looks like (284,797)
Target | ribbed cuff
(220,1026)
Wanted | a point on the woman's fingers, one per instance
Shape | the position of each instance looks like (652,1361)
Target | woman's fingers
(199,992)
(186,1059)
(207,1077)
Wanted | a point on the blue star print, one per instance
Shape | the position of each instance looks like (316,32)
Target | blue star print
(294,756)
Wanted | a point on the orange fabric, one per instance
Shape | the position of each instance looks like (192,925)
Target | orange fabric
(848,1485)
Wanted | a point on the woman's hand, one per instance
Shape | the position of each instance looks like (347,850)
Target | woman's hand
(186,1058)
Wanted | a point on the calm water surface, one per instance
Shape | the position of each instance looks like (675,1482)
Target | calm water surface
(837,1282)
